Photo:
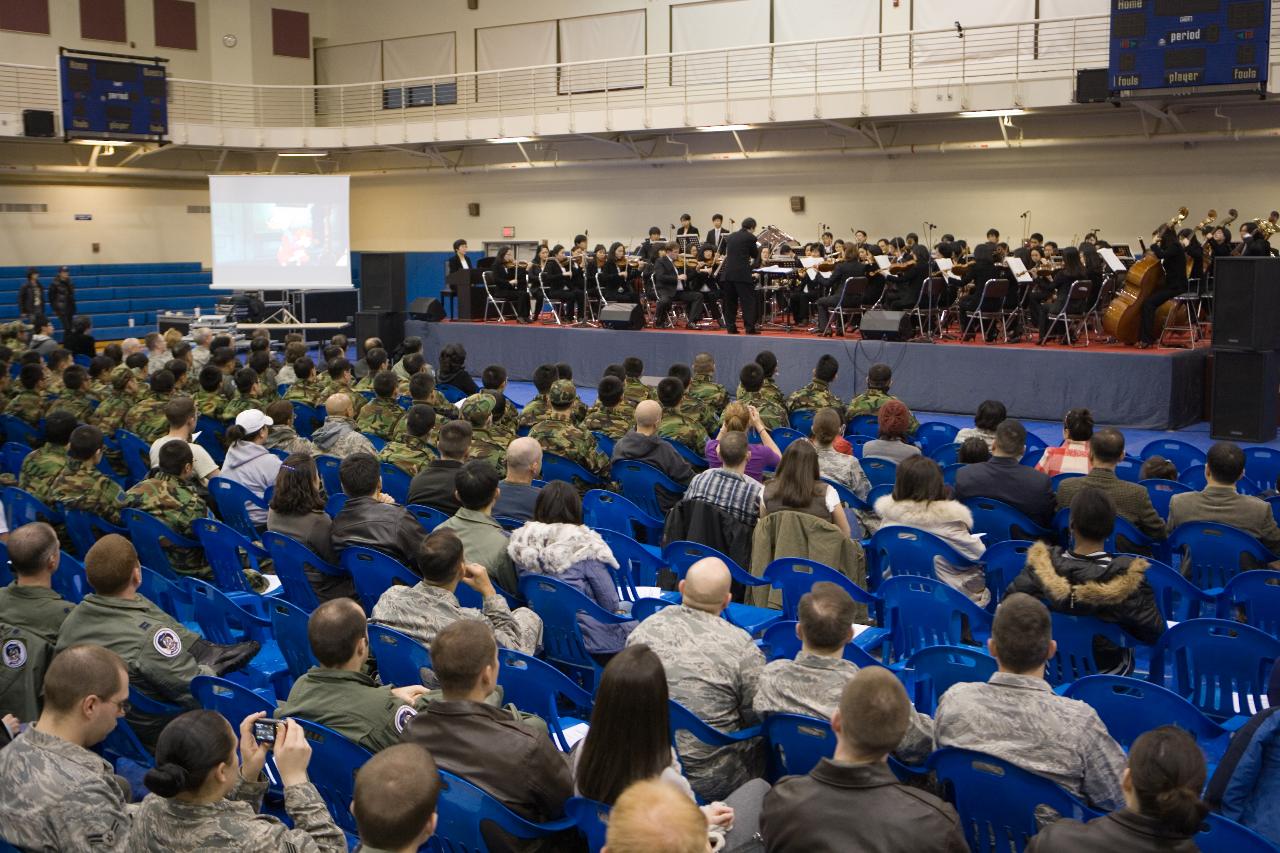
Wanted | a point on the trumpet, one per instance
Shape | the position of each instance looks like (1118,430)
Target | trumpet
(1172,223)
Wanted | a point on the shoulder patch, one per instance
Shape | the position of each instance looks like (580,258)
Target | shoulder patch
(167,642)
(403,715)
(14,654)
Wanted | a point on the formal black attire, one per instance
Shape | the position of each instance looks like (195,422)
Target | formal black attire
(557,285)
(983,270)
(704,282)
(614,280)
(906,291)
(31,299)
(1256,247)
(840,291)
(741,254)
(807,292)
(506,285)
(651,250)
(1050,298)
(62,298)
(670,289)
(1174,260)
(687,238)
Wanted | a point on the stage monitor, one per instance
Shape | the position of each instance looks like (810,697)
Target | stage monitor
(273,232)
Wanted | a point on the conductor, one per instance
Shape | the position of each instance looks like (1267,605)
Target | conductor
(741,255)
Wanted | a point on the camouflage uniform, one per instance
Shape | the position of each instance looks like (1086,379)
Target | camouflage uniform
(109,416)
(53,383)
(486,443)
(534,411)
(869,403)
(335,387)
(1018,718)
(352,704)
(28,405)
(75,402)
(208,403)
(176,504)
(410,454)
(708,393)
(445,411)
(636,392)
(61,796)
(811,685)
(338,436)
(613,421)
(286,438)
(422,611)
(80,485)
(146,419)
(557,433)
(712,669)
(11,334)
(39,469)
(507,424)
(816,395)
(699,414)
(100,389)
(773,414)
(234,823)
(366,384)
(686,429)
(307,391)
(380,417)
(36,609)
(241,403)
(771,390)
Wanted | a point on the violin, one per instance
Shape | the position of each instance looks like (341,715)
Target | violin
(902,266)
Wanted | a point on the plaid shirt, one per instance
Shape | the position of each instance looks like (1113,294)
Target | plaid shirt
(1071,458)
(736,494)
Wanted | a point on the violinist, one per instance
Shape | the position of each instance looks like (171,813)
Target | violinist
(988,260)
(919,252)
(876,279)
(859,266)
(813,285)
(1173,258)
(827,246)
(506,284)
(671,284)
(908,274)
(704,281)
(612,271)
(859,238)
(557,284)
(951,280)
(1052,298)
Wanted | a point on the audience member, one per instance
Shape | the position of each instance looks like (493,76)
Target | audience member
(338,435)
(1015,716)
(650,817)
(281,435)
(297,511)
(634,391)
(1006,479)
(919,500)
(973,451)
(879,381)
(248,394)
(853,801)
(394,802)
(208,397)
(453,369)
(544,376)
(180,413)
(741,418)
(370,517)
(248,461)
(422,611)
(43,464)
(753,391)
(676,424)
(833,464)
(434,485)
(309,386)
(1133,503)
(1244,788)
(892,444)
(31,614)
(991,413)
(558,434)
(58,795)
(339,693)
(380,415)
(484,541)
(1220,502)
(74,396)
(80,485)
(712,669)
(611,414)
(1072,456)
(798,487)
(645,445)
(171,496)
(207,789)
(411,449)
(340,382)
(818,394)
(516,493)
(728,487)
(488,444)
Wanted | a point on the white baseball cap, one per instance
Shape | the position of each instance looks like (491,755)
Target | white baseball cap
(252,421)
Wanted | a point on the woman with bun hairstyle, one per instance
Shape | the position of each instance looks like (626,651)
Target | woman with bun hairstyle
(204,797)
(249,462)
(1072,457)
(1163,810)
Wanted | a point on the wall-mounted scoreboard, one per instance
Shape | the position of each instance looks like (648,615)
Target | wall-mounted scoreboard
(111,96)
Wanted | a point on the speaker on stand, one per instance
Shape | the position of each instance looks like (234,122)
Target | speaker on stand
(1246,340)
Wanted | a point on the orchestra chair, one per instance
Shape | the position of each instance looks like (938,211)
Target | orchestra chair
(496,303)
(16,429)
(334,505)
(696,460)
(796,744)
(1073,316)
(452,393)
(604,443)
(1221,667)
(1093,317)
(170,597)
(1129,469)
(784,436)
(228,553)
(949,474)
(233,701)
(685,720)
(849,306)
(21,507)
(990,319)
(227,622)
(1129,707)
(926,313)
(880,472)
(930,671)
(638,565)
(945,454)
(1184,316)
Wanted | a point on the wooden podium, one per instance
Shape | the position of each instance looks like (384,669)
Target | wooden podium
(469,292)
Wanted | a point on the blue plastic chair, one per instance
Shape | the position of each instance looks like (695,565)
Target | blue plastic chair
(401,658)
(231,500)
(591,818)
(682,554)
(604,443)
(696,460)
(1002,522)
(921,612)
(1216,552)
(857,443)
(784,436)
(1180,453)
(1257,594)
(233,701)
(85,528)
(539,688)
(374,573)
(395,482)
(291,559)
(334,504)
(452,393)
(377,441)
(802,421)
(12,455)
(1074,636)
(428,517)
(1162,491)
(463,809)
(69,579)
(306,419)
(1221,667)
(1223,835)
(934,434)
(897,551)
(1004,562)
(930,671)
(945,454)
(779,642)
(150,536)
(559,605)
(637,564)
(684,720)
(868,425)
(997,801)
(795,576)
(847,496)
(878,492)
(224,548)
(211,435)
(643,608)
(1262,466)
(289,625)
(608,511)
(172,598)
(328,468)
(1059,479)
(557,467)
(949,474)
(1178,598)
(1129,469)
(639,482)
(1128,707)
(1033,450)
(796,744)
(881,472)
(224,620)
(16,429)
(137,455)
(334,762)
(1194,478)
(1274,503)
(21,507)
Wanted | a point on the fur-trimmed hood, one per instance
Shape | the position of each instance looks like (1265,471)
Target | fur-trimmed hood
(923,514)
(1065,578)
(551,549)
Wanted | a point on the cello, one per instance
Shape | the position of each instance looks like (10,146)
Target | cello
(1123,317)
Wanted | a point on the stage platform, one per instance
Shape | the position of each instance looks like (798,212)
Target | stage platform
(1149,389)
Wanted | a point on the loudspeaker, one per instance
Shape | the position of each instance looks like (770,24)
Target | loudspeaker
(37,123)
(886,326)
(1246,303)
(473,209)
(388,325)
(382,281)
(622,315)
(797,204)
(1245,386)
(426,308)
(1092,86)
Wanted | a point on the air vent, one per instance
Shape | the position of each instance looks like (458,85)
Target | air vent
(11,207)
(197,208)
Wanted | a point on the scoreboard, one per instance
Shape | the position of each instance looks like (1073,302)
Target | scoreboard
(113,97)
(1188,44)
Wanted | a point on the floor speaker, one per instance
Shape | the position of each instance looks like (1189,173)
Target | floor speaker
(622,316)
(427,308)
(382,281)
(886,326)
(1246,303)
(388,325)
(1245,387)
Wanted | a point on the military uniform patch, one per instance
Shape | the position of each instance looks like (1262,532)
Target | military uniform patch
(15,654)
(167,642)
(404,714)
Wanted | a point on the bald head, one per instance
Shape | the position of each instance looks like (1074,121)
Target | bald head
(129,346)
(337,406)
(648,413)
(523,455)
(654,816)
(706,585)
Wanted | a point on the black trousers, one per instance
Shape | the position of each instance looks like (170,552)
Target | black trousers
(688,297)
(517,296)
(740,293)
(826,303)
(1148,316)
(620,295)
(573,302)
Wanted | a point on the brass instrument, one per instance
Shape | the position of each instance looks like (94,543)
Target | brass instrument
(1204,223)
(1266,227)
(1172,223)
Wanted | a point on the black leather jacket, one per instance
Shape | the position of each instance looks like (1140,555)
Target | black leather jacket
(388,528)
(1122,830)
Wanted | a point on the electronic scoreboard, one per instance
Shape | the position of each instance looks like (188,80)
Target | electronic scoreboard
(110,96)
(1188,45)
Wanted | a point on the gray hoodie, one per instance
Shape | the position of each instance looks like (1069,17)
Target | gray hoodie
(338,436)
(254,467)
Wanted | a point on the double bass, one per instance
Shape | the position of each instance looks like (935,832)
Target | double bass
(1123,317)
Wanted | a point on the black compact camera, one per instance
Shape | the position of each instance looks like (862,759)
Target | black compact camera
(264,731)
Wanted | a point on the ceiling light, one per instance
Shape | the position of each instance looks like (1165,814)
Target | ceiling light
(716,128)
(993,113)
(500,140)
(111,142)
(302,153)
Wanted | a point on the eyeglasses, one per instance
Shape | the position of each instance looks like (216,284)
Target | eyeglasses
(124,705)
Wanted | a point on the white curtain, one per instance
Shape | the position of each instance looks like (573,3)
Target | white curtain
(1073,8)
(1085,42)
(516,46)
(349,63)
(838,65)
(419,56)
(979,46)
(597,38)
(720,24)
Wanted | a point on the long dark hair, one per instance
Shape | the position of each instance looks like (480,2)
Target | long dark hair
(296,490)
(797,480)
(630,738)
(919,479)
(1071,263)
(453,357)
(558,503)
(190,746)
(1167,771)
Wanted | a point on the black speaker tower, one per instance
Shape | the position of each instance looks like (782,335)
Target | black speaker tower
(382,278)
(1246,337)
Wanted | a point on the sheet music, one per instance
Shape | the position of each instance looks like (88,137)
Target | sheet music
(1113,263)
(777,270)
(944,264)
(810,262)
(1019,269)
(882,261)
